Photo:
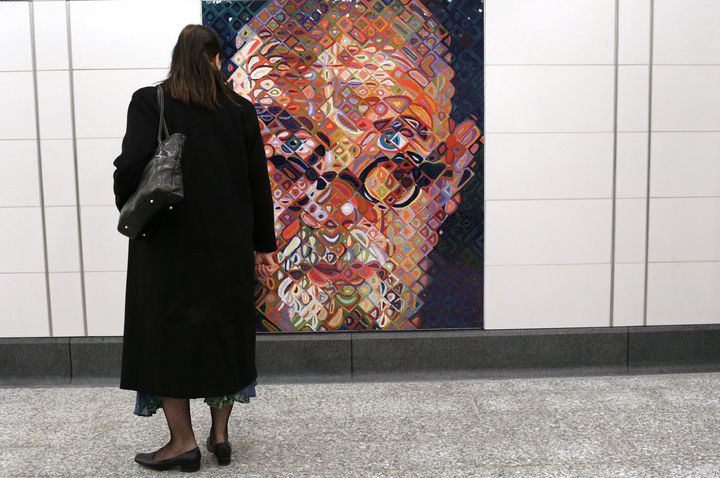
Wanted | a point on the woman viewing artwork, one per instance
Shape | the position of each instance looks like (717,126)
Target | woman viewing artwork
(190,318)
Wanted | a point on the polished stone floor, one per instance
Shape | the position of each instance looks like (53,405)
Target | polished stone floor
(622,426)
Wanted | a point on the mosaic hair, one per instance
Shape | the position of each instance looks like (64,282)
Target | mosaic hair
(193,78)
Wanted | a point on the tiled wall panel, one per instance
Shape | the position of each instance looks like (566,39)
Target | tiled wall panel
(575,129)
(549,112)
(684,232)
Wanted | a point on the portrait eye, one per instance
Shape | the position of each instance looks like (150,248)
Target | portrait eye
(292,144)
(392,140)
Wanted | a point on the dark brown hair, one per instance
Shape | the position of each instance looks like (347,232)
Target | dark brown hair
(193,77)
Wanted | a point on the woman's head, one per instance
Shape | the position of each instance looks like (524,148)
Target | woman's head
(195,76)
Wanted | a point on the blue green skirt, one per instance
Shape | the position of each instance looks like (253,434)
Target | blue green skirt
(146,405)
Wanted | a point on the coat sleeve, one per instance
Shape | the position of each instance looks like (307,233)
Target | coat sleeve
(264,216)
(138,146)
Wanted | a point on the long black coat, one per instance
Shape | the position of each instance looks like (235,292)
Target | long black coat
(189,309)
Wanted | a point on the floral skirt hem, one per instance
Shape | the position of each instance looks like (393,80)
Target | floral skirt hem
(146,405)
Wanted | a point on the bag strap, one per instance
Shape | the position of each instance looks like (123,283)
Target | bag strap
(162,126)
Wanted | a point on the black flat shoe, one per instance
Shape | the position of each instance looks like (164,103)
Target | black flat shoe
(188,461)
(221,450)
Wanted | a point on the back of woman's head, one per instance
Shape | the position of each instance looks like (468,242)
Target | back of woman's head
(194,78)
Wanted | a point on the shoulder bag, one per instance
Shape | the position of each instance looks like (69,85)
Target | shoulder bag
(161,184)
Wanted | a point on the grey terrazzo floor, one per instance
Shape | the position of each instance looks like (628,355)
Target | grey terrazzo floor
(622,426)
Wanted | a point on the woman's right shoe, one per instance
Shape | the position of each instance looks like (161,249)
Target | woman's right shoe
(188,461)
(221,450)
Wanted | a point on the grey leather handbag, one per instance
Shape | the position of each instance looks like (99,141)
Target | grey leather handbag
(161,184)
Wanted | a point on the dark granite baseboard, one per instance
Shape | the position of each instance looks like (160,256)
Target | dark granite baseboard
(30,361)
(690,348)
(401,355)
(489,352)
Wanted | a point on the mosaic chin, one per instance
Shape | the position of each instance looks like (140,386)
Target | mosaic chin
(364,159)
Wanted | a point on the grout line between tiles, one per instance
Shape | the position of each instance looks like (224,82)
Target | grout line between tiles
(556,264)
(75,166)
(711,65)
(592,132)
(649,155)
(538,199)
(616,35)
(33,55)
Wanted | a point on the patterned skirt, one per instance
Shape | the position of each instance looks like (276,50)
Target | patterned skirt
(146,405)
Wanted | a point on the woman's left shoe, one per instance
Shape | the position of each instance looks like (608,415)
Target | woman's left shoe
(222,451)
(188,461)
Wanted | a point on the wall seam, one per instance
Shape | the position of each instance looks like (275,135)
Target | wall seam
(33,56)
(627,350)
(75,166)
(649,155)
(352,359)
(483,310)
(613,214)
(70,359)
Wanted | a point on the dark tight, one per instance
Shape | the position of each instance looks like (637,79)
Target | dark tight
(220,418)
(182,437)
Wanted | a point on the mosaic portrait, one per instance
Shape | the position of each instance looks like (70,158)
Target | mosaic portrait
(371,114)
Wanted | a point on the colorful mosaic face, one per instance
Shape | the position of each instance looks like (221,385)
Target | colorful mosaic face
(365,160)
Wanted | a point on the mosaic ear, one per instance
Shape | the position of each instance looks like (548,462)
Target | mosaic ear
(462,143)
(467,134)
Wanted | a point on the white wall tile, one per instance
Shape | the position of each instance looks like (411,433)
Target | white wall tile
(538,166)
(685,164)
(95,169)
(54,104)
(541,32)
(683,293)
(66,304)
(15,51)
(687,32)
(21,243)
(19,184)
(547,232)
(105,302)
(104,248)
(634,32)
(17,98)
(112,89)
(686,98)
(631,165)
(633,97)
(684,229)
(146,42)
(518,297)
(61,226)
(527,99)
(51,47)
(630,230)
(628,295)
(58,168)
(23,306)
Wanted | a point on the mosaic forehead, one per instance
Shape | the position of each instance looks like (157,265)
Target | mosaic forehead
(341,57)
